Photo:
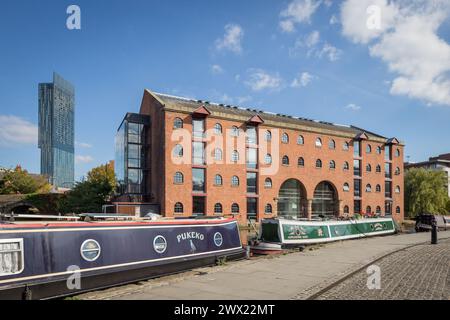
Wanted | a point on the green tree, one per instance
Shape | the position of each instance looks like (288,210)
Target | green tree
(19,181)
(89,195)
(86,196)
(102,173)
(425,192)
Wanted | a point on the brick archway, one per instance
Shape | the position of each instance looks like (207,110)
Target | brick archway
(325,201)
(292,199)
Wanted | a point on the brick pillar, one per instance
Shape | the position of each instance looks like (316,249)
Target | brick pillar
(309,209)
(340,208)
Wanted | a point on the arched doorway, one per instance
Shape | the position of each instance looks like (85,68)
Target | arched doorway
(325,202)
(292,199)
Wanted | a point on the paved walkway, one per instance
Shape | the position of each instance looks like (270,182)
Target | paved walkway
(417,273)
(291,276)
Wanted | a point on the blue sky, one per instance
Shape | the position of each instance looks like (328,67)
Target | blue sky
(315,59)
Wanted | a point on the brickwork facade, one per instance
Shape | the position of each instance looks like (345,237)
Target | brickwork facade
(170,174)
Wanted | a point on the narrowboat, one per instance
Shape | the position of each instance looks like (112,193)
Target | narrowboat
(290,232)
(42,260)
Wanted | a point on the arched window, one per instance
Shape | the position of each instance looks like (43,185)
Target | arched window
(379,152)
(368,209)
(318,142)
(378,210)
(397,189)
(217,154)
(346,209)
(178,208)
(346,166)
(178,178)
(268,209)
(331,144)
(291,199)
(177,123)
(378,188)
(300,140)
(301,162)
(368,188)
(234,131)
(178,151)
(368,148)
(325,201)
(234,181)
(368,168)
(235,208)
(218,128)
(285,161)
(268,183)
(268,159)
(332,164)
(397,154)
(346,187)
(378,169)
(345,146)
(218,180)
(217,208)
(235,156)
(318,163)
(397,210)
(268,136)
(285,138)
(397,171)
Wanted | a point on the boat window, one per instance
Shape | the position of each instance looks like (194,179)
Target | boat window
(11,256)
(160,244)
(218,239)
(90,250)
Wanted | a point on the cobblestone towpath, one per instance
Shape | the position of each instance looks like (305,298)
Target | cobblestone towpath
(419,272)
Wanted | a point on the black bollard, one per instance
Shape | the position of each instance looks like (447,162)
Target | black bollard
(434,238)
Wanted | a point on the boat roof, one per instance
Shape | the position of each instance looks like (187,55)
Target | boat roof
(83,224)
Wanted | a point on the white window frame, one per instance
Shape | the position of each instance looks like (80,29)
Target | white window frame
(22,257)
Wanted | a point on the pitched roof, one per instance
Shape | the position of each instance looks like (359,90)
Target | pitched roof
(190,105)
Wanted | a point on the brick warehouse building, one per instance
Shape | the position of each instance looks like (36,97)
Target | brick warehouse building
(192,157)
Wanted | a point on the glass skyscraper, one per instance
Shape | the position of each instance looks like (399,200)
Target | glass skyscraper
(56,131)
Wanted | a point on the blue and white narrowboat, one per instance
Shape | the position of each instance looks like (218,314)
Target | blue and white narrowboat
(40,260)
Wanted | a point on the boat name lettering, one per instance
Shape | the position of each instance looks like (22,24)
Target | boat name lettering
(190,235)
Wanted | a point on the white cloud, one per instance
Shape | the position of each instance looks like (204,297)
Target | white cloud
(216,69)
(298,11)
(334,20)
(83,144)
(232,39)
(83,159)
(259,79)
(408,43)
(312,39)
(302,80)
(352,107)
(355,16)
(17,131)
(315,47)
(329,51)
(328,3)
